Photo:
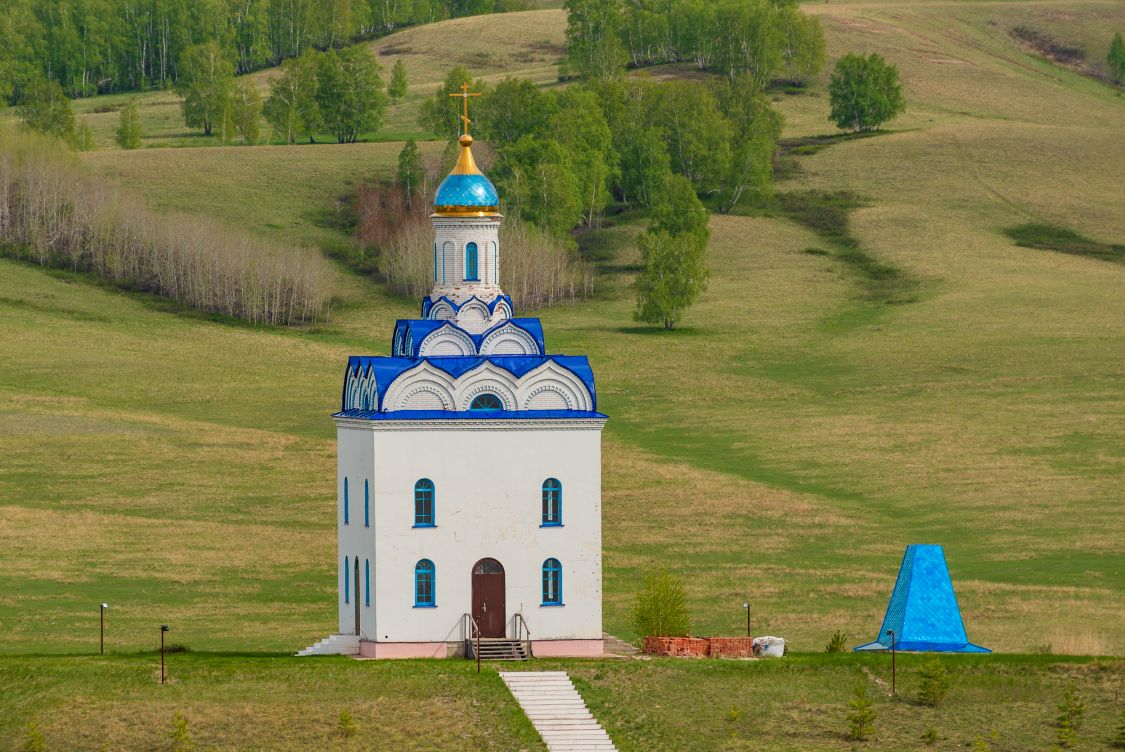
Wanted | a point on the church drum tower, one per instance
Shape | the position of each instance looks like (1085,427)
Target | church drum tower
(469,469)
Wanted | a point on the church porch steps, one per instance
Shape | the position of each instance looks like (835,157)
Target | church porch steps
(499,649)
(336,644)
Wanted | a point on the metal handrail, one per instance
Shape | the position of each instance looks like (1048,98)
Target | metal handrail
(475,634)
(520,631)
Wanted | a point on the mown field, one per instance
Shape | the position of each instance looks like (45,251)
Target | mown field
(784,446)
(273,702)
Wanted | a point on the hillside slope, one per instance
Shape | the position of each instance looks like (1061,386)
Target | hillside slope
(786,445)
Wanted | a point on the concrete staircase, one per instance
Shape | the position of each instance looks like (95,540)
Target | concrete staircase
(337,644)
(616,646)
(557,711)
(499,649)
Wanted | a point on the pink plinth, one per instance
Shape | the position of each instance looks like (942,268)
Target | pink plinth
(567,648)
(368,649)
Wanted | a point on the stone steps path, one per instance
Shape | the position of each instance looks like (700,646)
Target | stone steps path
(557,711)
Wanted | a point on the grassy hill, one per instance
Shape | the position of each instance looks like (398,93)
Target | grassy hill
(783,447)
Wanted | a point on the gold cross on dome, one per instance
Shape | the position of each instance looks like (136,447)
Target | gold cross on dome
(464,95)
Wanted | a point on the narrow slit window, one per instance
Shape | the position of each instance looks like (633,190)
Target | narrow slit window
(552,583)
(424,584)
(424,503)
(552,502)
(471,262)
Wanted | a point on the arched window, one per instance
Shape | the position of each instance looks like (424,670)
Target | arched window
(486,401)
(345,501)
(471,262)
(366,505)
(552,502)
(424,584)
(552,583)
(367,582)
(347,582)
(424,503)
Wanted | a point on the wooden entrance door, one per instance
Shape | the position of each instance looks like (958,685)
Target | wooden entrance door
(355,597)
(488,598)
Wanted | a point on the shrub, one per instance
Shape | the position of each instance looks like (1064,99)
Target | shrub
(54,213)
(935,683)
(930,736)
(1069,719)
(861,716)
(128,134)
(980,744)
(1119,737)
(179,736)
(865,92)
(33,740)
(660,609)
(838,643)
(345,724)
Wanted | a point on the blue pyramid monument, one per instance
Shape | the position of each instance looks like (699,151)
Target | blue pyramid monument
(923,612)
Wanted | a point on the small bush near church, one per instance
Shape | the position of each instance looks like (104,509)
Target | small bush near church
(1069,720)
(861,716)
(179,736)
(660,609)
(34,741)
(838,643)
(346,724)
(935,683)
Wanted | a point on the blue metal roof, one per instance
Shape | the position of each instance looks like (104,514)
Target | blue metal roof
(415,331)
(467,190)
(386,370)
(469,414)
(923,611)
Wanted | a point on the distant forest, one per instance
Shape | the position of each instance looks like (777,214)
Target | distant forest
(103,46)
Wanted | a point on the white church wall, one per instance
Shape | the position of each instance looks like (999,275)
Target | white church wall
(488,478)
(355,462)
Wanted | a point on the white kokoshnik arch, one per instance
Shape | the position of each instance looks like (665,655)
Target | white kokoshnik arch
(545,387)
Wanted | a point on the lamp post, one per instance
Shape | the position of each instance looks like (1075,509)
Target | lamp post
(747,607)
(101,638)
(163,628)
(892,660)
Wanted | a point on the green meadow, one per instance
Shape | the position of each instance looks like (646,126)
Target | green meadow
(782,447)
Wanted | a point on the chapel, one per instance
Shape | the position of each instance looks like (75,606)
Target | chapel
(469,467)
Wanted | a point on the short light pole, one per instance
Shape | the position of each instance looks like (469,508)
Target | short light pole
(101,639)
(747,607)
(163,628)
(892,660)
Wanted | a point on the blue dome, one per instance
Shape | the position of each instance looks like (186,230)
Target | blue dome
(468,191)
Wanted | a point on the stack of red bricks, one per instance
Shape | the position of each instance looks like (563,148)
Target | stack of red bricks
(700,647)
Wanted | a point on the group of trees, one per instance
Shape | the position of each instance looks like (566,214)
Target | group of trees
(337,91)
(563,157)
(52,212)
(102,46)
(762,39)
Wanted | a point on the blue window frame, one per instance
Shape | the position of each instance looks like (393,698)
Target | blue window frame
(347,582)
(424,580)
(345,501)
(471,262)
(552,503)
(367,582)
(424,503)
(366,505)
(486,401)
(552,583)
